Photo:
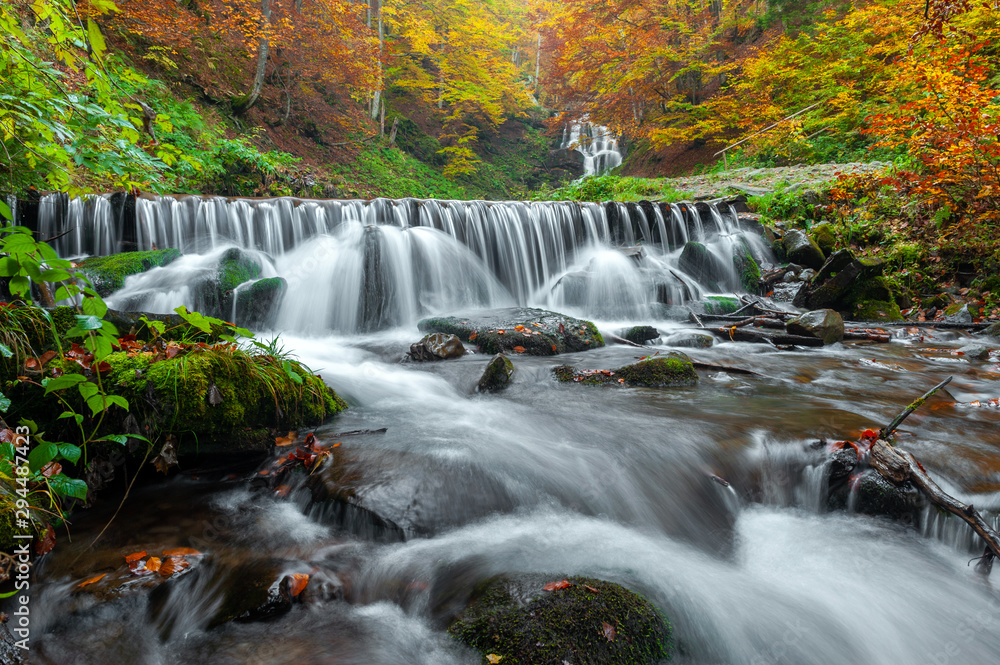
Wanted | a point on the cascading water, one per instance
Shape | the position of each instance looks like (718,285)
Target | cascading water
(597,144)
(370,265)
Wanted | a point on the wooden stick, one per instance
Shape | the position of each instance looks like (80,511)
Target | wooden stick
(621,340)
(886,432)
(723,368)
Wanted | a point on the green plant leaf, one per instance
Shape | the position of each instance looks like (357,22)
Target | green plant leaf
(70,452)
(5,351)
(95,307)
(5,211)
(41,455)
(65,486)
(60,382)
(116,438)
(4,403)
(88,322)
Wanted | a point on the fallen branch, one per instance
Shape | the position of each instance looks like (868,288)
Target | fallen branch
(744,335)
(887,431)
(866,334)
(621,340)
(722,368)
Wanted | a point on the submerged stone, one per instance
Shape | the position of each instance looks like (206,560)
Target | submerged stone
(255,303)
(107,273)
(825,324)
(437,346)
(537,332)
(661,371)
(640,334)
(706,268)
(514,621)
(497,374)
(958,313)
(691,340)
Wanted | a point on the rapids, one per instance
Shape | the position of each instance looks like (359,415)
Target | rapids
(550,478)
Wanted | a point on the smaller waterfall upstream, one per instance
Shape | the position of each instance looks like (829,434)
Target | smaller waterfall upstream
(597,144)
(354,265)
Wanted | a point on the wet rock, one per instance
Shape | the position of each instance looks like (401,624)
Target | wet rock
(747,269)
(589,621)
(254,591)
(800,248)
(214,296)
(256,302)
(842,463)
(993,330)
(717,305)
(536,332)
(825,324)
(976,352)
(662,371)
(437,346)
(107,273)
(789,277)
(958,313)
(822,234)
(807,275)
(854,287)
(497,375)
(877,496)
(691,340)
(640,334)
(705,267)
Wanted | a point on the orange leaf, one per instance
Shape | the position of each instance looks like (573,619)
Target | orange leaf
(129,558)
(591,589)
(297,583)
(153,565)
(501,331)
(869,434)
(173,565)
(91,580)
(561,584)
(181,551)
(519,328)
(282,490)
(519,349)
(473,336)
(553,348)
(286,440)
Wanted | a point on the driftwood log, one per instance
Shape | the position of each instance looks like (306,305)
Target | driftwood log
(899,466)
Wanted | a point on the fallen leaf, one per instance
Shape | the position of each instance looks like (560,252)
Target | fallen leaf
(91,580)
(609,631)
(591,589)
(283,441)
(493,659)
(51,469)
(153,565)
(561,584)
(167,459)
(173,565)
(501,331)
(47,542)
(297,583)
(473,336)
(135,556)
(869,434)
(519,328)
(519,349)
(282,490)
(181,551)
(553,348)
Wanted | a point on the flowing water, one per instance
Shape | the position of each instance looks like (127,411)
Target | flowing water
(616,483)
(597,144)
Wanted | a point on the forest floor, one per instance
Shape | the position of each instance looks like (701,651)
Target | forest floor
(759,181)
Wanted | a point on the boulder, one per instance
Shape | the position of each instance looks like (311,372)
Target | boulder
(516,621)
(822,234)
(993,330)
(958,313)
(107,273)
(717,305)
(661,371)
(691,340)
(537,332)
(214,296)
(257,301)
(437,346)
(705,267)
(854,287)
(497,374)
(800,248)
(640,334)
(825,324)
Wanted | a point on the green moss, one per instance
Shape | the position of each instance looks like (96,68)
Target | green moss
(746,267)
(7,529)
(257,395)
(108,273)
(497,374)
(823,236)
(525,625)
(877,310)
(872,299)
(673,370)
(722,304)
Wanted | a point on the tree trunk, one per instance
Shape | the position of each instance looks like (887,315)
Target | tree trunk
(392,132)
(375,15)
(263,50)
(538,59)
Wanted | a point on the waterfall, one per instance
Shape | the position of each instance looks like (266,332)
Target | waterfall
(364,265)
(597,144)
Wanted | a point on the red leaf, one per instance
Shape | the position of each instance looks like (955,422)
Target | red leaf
(136,556)
(51,469)
(181,551)
(519,349)
(609,631)
(561,584)
(869,434)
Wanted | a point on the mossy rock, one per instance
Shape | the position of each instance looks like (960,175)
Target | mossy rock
(662,371)
(746,267)
(216,401)
(537,332)
(993,330)
(822,234)
(706,268)
(497,374)
(215,296)
(256,302)
(591,622)
(877,496)
(719,304)
(640,334)
(107,273)
(871,299)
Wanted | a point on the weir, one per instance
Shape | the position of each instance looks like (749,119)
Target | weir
(371,264)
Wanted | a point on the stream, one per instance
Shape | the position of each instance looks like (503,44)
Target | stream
(559,479)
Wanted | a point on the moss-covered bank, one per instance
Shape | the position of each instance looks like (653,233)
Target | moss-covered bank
(663,371)
(107,273)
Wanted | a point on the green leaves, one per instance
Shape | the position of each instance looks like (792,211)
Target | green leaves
(5,211)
